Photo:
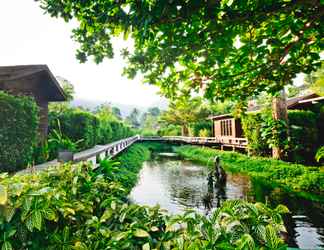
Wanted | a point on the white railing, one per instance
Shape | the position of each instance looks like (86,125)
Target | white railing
(101,151)
(223,140)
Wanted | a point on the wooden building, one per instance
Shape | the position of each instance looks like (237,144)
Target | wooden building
(36,81)
(226,126)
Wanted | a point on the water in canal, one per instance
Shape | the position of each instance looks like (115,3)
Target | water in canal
(177,185)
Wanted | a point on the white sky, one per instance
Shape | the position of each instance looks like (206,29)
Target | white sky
(27,36)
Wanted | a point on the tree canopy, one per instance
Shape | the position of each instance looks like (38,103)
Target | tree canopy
(226,48)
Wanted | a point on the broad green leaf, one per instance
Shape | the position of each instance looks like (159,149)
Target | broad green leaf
(37,219)
(120,236)
(9,213)
(113,205)
(141,233)
(282,209)
(146,246)
(3,195)
(6,246)
(79,246)
(29,223)
(154,229)
(106,215)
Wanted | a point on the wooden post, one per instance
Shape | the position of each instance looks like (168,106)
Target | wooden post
(279,112)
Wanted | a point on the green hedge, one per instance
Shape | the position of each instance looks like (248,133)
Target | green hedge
(303,141)
(303,136)
(77,125)
(83,125)
(304,180)
(18,131)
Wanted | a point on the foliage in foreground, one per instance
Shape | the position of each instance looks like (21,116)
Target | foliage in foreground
(295,177)
(18,131)
(76,207)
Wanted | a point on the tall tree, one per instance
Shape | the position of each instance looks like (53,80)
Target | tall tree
(116,111)
(133,118)
(227,48)
(183,111)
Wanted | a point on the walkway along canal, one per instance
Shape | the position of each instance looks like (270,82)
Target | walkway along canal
(178,185)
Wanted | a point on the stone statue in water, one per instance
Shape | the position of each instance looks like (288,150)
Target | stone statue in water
(220,174)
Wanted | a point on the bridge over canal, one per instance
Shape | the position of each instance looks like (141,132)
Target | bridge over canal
(114,148)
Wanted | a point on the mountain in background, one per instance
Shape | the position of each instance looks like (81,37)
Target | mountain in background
(125,109)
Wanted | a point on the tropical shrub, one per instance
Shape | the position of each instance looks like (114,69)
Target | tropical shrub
(169,130)
(76,207)
(299,146)
(303,133)
(320,154)
(294,177)
(76,125)
(18,131)
(204,133)
(197,127)
(252,127)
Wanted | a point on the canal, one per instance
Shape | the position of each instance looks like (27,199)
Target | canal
(177,185)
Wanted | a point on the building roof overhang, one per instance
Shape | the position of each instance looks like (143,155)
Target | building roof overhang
(28,74)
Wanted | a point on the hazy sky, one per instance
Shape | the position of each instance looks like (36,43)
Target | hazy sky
(30,37)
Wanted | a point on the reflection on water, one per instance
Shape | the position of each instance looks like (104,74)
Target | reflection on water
(177,185)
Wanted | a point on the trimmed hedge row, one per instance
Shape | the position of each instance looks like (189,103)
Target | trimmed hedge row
(305,181)
(78,124)
(18,131)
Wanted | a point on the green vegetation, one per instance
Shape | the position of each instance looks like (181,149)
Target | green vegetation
(76,207)
(226,48)
(18,131)
(79,130)
(320,154)
(305,181)
(301,144)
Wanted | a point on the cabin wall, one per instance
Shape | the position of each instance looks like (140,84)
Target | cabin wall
(228,128)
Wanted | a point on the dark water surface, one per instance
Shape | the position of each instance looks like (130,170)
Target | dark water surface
(177,185)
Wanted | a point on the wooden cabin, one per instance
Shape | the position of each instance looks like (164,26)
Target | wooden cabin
(36,81)
(226,127)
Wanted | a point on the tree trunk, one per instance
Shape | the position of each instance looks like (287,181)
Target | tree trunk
(185,130)
(279,112)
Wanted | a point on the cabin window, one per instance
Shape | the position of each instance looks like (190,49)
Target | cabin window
(226,127)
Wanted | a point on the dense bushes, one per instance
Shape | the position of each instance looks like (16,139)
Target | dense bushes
(18,131)
(202,128)
(170,130)
(252,126)
(294,177)
(77,125)
(303,138)
(75,207)
(88,128)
